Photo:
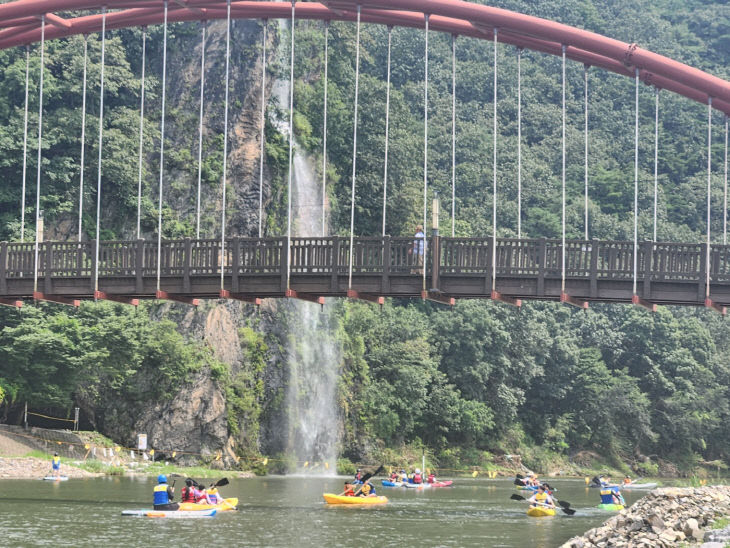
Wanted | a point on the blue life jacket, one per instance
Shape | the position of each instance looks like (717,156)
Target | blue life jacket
(161,496)
(607,496)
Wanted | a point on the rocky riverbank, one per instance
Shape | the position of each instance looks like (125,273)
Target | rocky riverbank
(35,468)
(665,517)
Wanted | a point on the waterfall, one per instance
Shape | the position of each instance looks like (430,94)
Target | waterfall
(312,351)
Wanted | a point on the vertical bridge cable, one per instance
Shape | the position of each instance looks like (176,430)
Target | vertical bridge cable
(453,135)
(709,189)
(324,127)
(354,150)
(636,178)
(585,151)
(200,127)
(262,137)
(519,142)
(724,208)
(656,156)
(141,134)
(101,134)
(425,156)
(494,172)
(25,143)
(291,149)
(40,142)
(387,130)
(225,143)
(162,147)
(83,137)
(562,255)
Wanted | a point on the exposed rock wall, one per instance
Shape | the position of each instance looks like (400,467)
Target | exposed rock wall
(665,517)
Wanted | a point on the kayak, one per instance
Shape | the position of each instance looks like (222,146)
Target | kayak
(171,513)
(54,478)
(417,485)
(526,488)
(441,483)
(331,498)
(540,511)
(638,486)
(227,504)
(611,507)
(388,483)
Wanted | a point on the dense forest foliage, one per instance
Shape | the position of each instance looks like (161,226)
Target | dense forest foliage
(544,380)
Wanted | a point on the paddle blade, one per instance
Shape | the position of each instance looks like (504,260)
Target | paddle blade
(519,476)
(564,503)
(221,482)
(518,482)
(517,497)
(369,475)
(568,511)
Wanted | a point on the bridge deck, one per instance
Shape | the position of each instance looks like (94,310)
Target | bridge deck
(669,273)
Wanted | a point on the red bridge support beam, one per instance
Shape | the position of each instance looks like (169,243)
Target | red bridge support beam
(565,298)
(225,294)
(292,294)
(100,295)
(38,296)
(497,296)
(164,295)
(709,303)
(438,297)
(11,302)
(638,301)
(377,299)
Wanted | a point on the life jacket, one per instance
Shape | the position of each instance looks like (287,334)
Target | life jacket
(199,495)
(541,497)
(358,476)
(213,496)
(417,478)
(160,494)
(431,478)
(367,489)
(607,496)
(56,463)
(349,492)
(188,494)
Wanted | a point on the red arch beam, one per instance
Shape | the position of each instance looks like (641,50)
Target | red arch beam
(450,16)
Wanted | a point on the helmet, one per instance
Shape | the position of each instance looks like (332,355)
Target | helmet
(162,478)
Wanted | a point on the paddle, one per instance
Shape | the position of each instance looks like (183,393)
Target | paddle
(564,506)
(366,477)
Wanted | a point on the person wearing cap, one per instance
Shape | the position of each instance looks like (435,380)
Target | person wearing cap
(56,465)
(163,495)
(541,498)
(417,250)
(417,477)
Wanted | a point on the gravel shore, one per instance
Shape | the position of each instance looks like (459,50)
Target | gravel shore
(35,468)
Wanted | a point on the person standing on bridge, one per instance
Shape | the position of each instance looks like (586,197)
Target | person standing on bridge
(417,250)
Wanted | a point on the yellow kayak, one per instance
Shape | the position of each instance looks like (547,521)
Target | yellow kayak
(331,498)
(540,511)
(227,504)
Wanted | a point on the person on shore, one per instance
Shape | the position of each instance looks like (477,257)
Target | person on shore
(163,495)
(541,498)
(56,465)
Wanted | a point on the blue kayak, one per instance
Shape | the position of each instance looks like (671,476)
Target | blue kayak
(388,483)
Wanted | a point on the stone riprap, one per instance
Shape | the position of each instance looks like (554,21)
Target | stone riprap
(35,468)
(665,517)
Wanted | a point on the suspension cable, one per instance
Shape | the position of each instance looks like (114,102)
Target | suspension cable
(585,147)
(724,208)
(262,137)
(83,137)
(162,147)
(40,142)
(141,134)
(425,156)
(354,150)
(709,190)
(225,143)
(291,149)
(494,172)
(453,135)
(25,143)
(204,26)
(324,127)
(519,142)
(387,129)
(562,255)
(636,179)
(101,134)
(656,156)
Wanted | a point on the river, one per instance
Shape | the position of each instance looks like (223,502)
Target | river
(289,512)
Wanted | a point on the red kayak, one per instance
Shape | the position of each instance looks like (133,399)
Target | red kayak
(441,483)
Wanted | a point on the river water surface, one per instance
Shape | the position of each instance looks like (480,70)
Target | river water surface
(290,512)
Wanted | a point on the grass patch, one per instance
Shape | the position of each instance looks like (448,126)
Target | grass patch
(98,467)
(720,523)
(37,454)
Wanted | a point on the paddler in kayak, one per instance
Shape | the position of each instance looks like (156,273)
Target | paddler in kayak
(417,477)
(541,498)
(431,478)
(189,493)
(56,465)
(163,495)
(367,490)
(612,495)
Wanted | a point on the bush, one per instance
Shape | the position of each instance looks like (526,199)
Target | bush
(345,467)
(648,469)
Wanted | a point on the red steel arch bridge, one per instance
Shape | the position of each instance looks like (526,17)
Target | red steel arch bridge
(436,267)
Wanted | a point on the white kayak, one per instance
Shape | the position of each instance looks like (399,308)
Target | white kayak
(638,486)
(54,478)
(180,514)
